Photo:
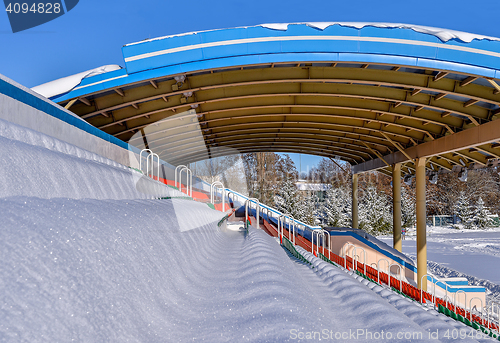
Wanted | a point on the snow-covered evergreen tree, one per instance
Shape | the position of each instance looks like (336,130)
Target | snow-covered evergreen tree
(287,198)
(338,207)
(307,208)
(464,211)
(481,216)
(408,209)
(374,215)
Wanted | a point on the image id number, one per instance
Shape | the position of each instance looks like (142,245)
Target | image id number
(40,7)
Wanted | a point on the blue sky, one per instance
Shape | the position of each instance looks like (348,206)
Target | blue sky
(93,33)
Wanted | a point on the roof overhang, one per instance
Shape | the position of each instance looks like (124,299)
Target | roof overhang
(370,95)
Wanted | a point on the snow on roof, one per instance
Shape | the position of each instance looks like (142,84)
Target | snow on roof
(302,186)
(444,35)
(65,84)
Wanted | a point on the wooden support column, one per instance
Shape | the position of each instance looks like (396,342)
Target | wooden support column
(396,207)
(421,225)
(355,216)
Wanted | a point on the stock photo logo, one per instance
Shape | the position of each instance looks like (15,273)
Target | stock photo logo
(26,14)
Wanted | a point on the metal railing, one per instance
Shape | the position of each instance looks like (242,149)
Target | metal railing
(257,210)
(189,179)
(399,273)
(150,155)
(316,233)
(434,280)
(213,186)
(356,258)
(378,268)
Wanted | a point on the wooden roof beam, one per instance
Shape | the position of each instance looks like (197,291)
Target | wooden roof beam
(396,145)
(415,91)
(85,101)
(468,80)
(119,91)
(440,75)
(471,102)
(439,96)
(475,136)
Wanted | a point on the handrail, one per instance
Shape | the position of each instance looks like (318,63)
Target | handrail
(257,210)
(147,156)
(189,180)
(446,292)
(455,297)
(157,166)
(433,288)
(212,193)
(176,169)
(364,258)
(281,225)
(399,273)
(150,155)
(317,231)
(470,308)
(329,244)
(344,252)
(273,210)
(492,313)
(291,218)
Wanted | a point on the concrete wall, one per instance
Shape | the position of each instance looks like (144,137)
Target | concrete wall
(346,244)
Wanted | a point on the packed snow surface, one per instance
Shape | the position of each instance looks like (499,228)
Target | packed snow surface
(34,164)
(128,270)
(88,255)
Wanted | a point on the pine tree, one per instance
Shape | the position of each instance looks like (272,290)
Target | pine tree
(463,210)
(408,209)
(338,207)
(287,198)
(481,216)
(374,215)
(307,208)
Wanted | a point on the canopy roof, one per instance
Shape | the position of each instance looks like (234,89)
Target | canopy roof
(369,94)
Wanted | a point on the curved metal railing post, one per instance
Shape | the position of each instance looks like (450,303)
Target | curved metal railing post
(153,155)
(455,296)
(292,219)
(329,243)
(346,253)
(364,258)
(493,312)
(280,234)
(315,232)
(282,218)
(434,280)
(470,308)
(446,293)
(213,187)
(187,179)
(175,177)
(147,157)
(378,269)
(399,273)
(247,203)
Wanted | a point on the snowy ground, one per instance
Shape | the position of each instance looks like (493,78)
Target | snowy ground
(162,271)
(474,254)
(88,255)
